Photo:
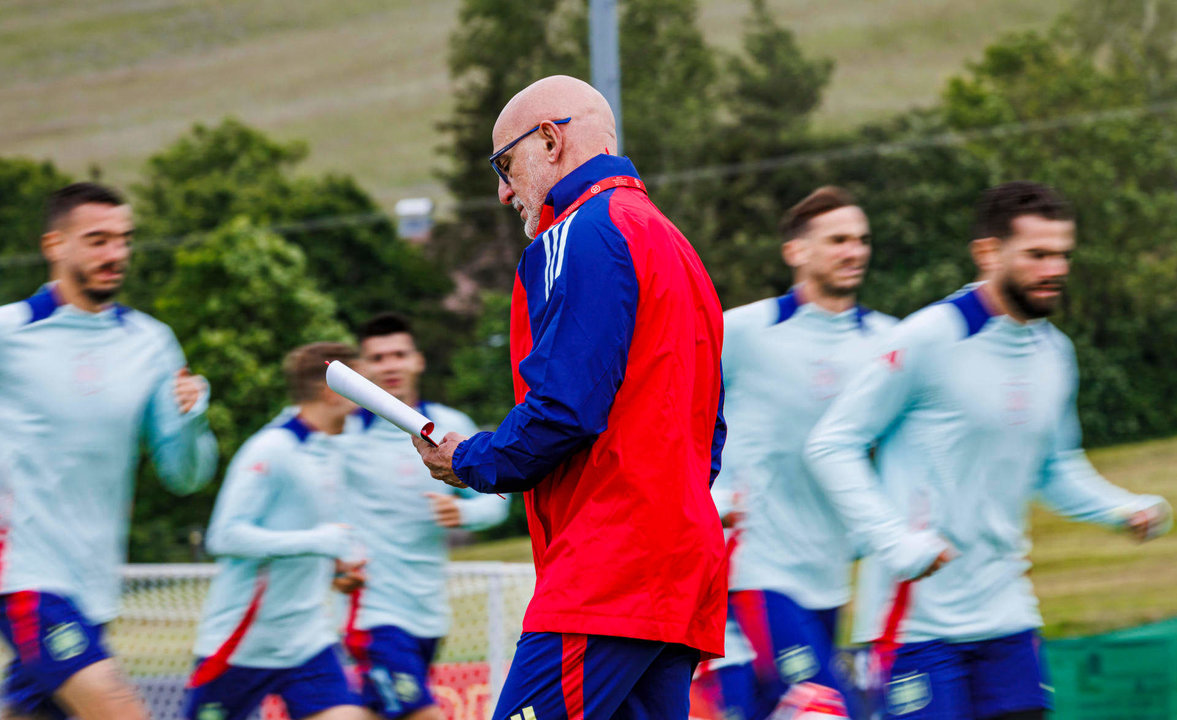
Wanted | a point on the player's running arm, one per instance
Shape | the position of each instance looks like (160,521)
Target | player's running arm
(182,447)
(838,454)
(574,369)
(467,508)
(251,485)
(1071,487)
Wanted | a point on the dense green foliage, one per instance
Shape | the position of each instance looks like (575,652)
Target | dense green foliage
(24,185)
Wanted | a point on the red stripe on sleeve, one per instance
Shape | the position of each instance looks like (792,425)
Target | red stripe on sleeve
(572,674)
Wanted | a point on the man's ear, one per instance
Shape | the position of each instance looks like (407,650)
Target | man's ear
(553,139)
(51,246)
(795,252)
(986,254)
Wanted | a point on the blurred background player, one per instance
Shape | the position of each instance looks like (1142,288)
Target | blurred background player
(616,335)
(972,404)
(266,628)
(400,519)
(784,360)
(83,381)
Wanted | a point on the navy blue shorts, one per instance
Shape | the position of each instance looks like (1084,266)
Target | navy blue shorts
(51,640)
(394,668)
(937,680)
(317,685)
(792,645)
(561,676)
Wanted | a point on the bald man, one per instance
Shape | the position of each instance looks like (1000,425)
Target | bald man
(615,340)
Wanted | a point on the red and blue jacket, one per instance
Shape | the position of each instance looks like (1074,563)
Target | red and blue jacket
(616,334)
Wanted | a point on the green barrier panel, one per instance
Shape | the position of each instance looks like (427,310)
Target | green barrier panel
(1124,675)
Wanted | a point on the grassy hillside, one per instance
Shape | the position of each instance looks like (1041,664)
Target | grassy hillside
(1088,579)
(365,81)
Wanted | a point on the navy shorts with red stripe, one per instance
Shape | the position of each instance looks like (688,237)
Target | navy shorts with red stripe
(793,644)
(561,676)
(394,668)
(51,641)
(318,684)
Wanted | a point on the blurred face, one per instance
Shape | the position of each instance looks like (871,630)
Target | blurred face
(336,402)
(833,251)
(91,249)
(529,177)
(394,363)
(1033,264)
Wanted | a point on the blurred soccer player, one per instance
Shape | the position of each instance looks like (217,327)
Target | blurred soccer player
(83,382)
(972,404)
(266,628)
(616,334)
(784,360)
(400,519)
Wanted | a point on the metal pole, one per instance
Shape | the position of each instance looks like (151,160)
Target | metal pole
(605,57)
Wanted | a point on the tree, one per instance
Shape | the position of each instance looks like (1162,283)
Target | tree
(231,170)
(481,383)
(1137,40)
(238,299)
(25,185)
(669,104)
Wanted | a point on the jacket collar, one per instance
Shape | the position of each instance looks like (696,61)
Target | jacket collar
(569,189)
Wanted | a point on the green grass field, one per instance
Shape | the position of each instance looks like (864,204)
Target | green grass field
(365,81)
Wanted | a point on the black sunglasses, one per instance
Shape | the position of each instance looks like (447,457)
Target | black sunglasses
(494,159)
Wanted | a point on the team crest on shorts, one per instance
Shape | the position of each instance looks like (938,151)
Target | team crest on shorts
(797,664)
(66,641)
(211,711)
(908,693)
(406,687)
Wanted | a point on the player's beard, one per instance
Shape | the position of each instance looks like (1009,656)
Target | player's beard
(98,296)
(1019,296)
(832,288)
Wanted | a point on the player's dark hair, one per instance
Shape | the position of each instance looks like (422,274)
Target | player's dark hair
(388,323)
(305,367)
(999,206)
(62,202)
(819,202)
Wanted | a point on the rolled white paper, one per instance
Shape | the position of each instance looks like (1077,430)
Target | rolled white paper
(367,394)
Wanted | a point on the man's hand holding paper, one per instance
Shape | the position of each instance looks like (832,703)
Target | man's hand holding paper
(440,458)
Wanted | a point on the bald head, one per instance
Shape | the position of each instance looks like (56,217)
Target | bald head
(540,159)
(592,131)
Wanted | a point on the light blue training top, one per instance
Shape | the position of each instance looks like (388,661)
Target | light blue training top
(277,529)
(404,546)
(784,361)
(80,393)
(974,416)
